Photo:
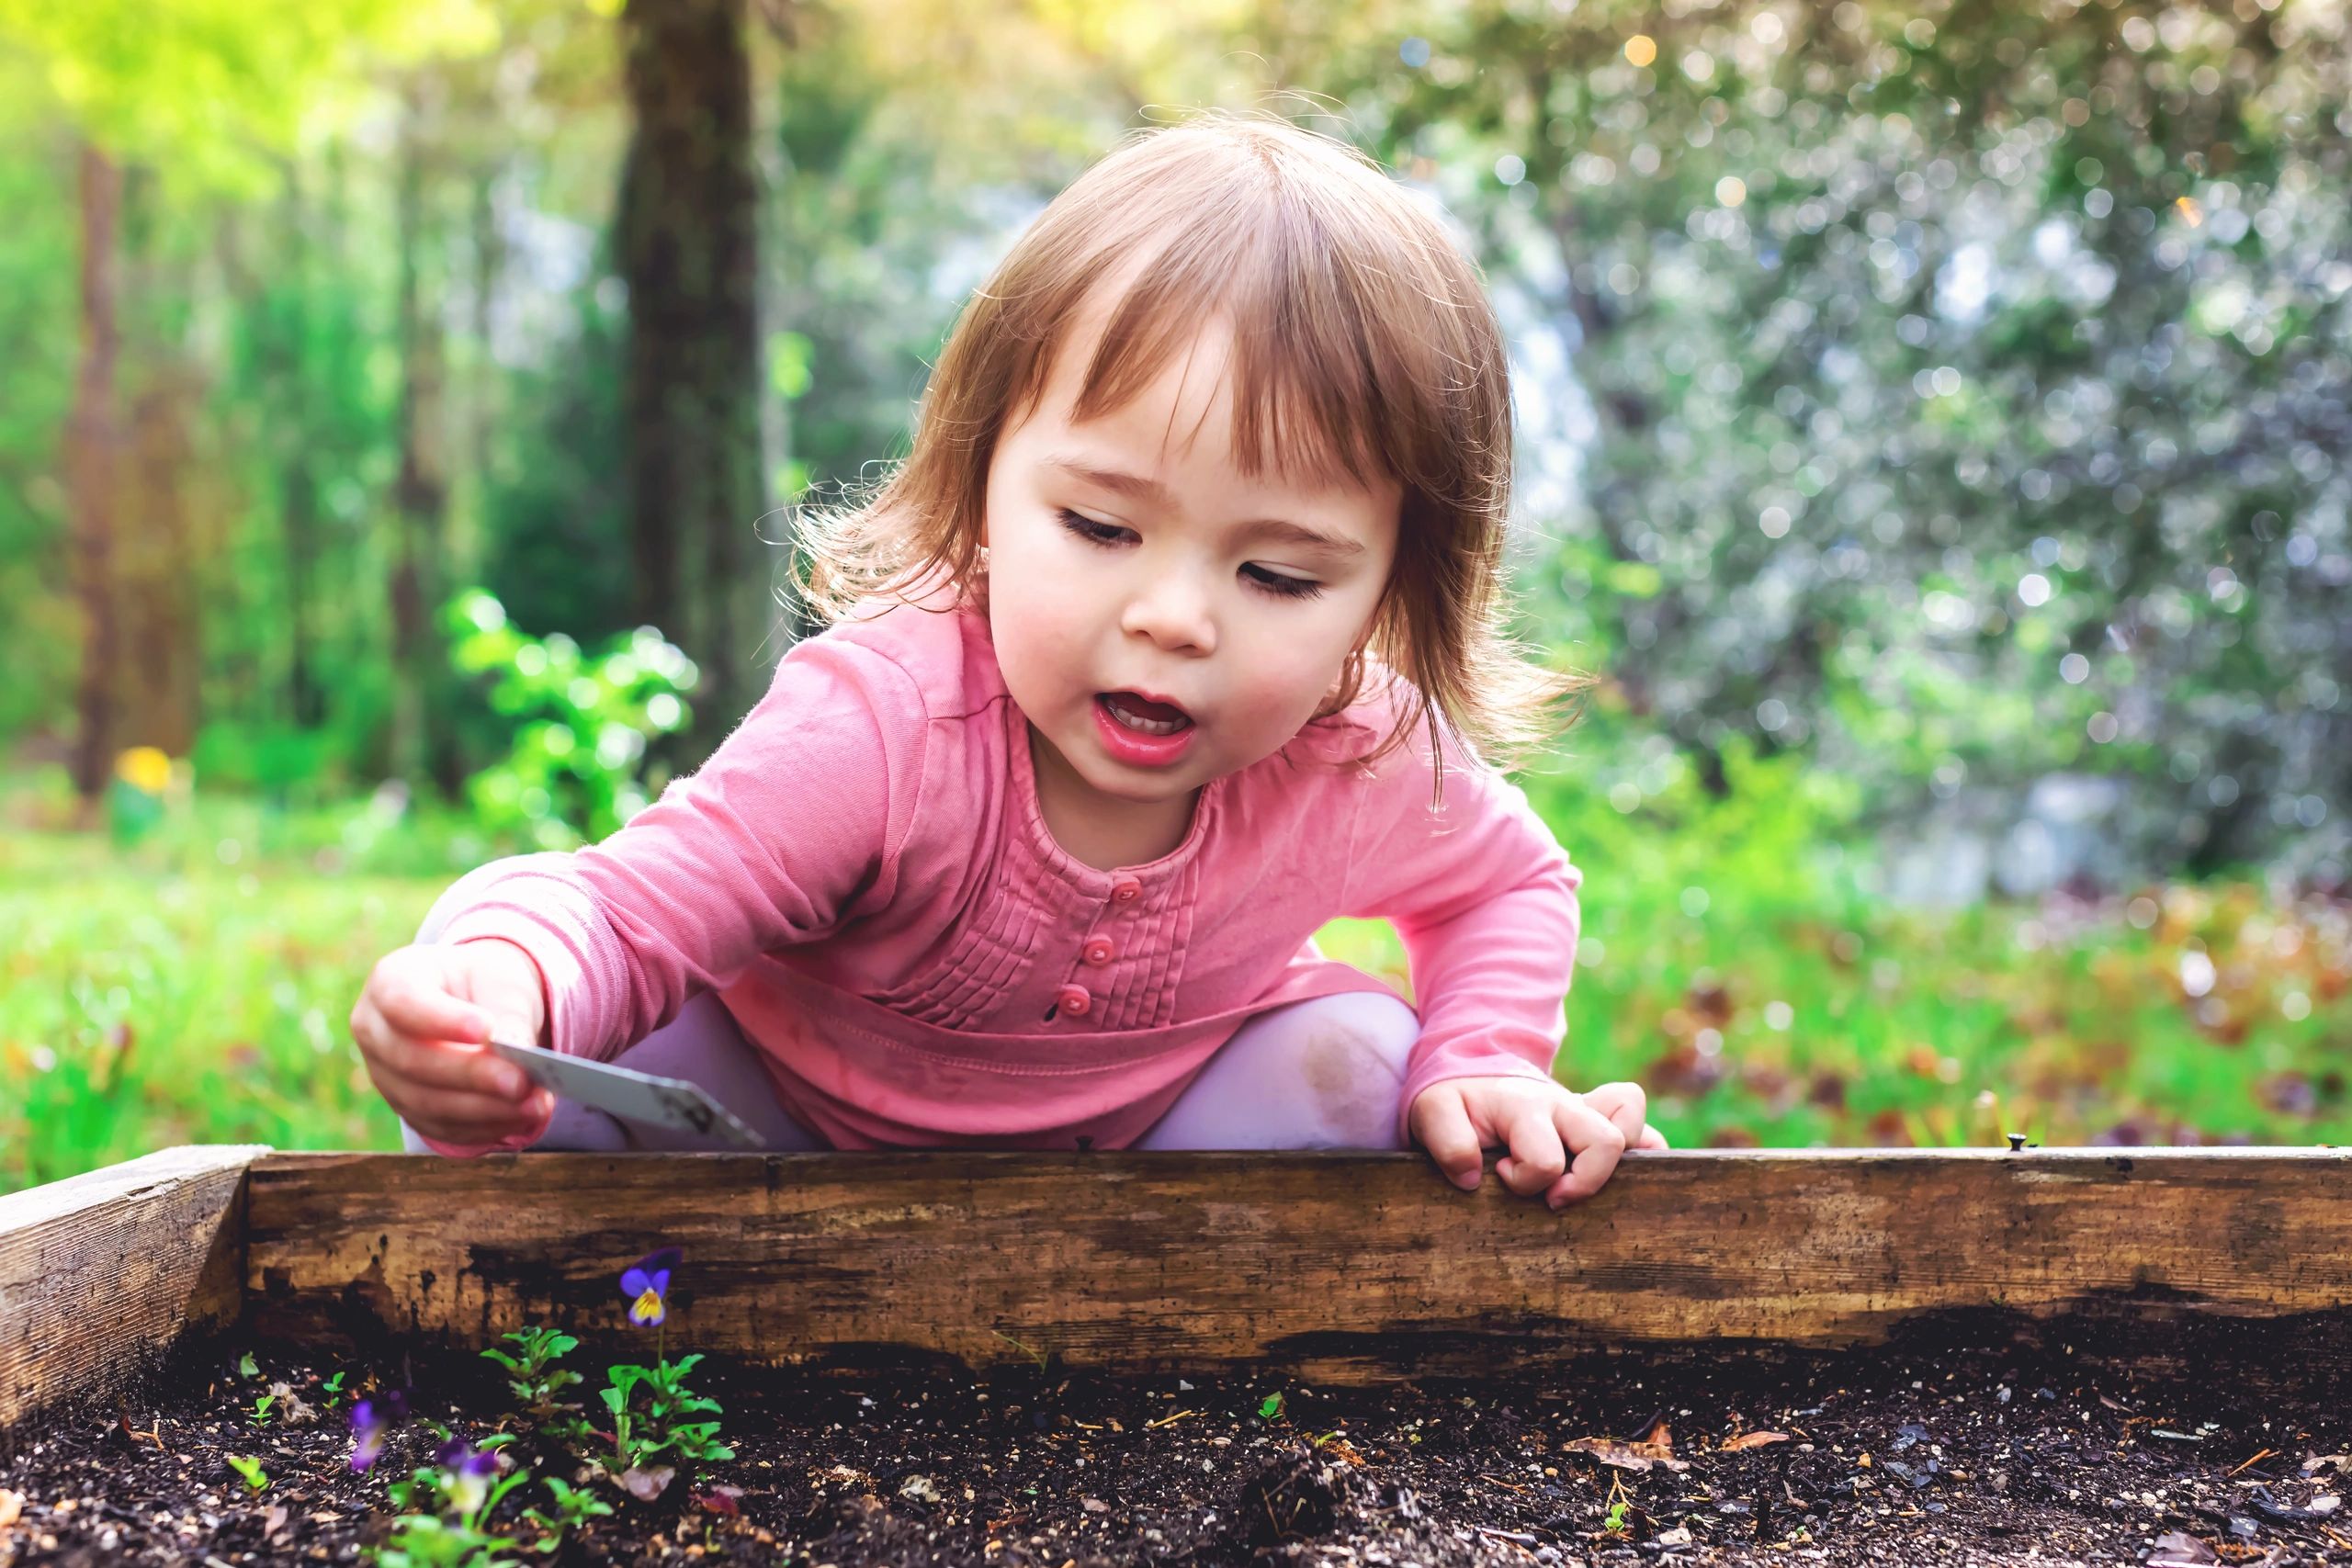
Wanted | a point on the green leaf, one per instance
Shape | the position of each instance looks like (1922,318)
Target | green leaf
(1272,1405)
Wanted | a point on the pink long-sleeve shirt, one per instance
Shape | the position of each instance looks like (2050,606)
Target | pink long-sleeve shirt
(862,873)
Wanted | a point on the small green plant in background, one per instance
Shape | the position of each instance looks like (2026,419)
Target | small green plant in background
(249,1468)
(577,770)
(538,1384)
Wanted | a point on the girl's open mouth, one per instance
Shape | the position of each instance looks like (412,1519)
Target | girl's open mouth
(1139,731)
(1144,716)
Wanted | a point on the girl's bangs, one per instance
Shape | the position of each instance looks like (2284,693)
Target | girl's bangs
(1305,406)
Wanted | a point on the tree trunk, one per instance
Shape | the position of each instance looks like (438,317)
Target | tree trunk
(159,618)
(421,491)
(93,443)
(688,253)
(484,383)
(296,450)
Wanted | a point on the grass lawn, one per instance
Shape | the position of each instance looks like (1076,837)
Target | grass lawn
(194,989)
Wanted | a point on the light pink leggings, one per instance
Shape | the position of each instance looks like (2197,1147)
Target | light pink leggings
(1270,1086)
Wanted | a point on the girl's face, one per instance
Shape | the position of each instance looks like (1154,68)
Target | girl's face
(1161,620)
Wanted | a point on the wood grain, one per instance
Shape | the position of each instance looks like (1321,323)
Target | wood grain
(1346,1267)
(101,1271)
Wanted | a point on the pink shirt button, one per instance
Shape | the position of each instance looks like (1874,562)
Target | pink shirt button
(1074,1001)
(1098,951)
(1126,890)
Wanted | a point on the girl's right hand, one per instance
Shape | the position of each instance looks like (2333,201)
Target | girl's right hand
(422,1023)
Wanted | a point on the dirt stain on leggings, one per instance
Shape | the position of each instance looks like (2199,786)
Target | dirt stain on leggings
(1354,1082)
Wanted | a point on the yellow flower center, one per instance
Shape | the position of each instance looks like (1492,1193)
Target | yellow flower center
(649,1307)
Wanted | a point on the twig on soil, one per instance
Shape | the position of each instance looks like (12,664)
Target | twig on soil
(1169,1420)
(154,1435)
(2262,1454)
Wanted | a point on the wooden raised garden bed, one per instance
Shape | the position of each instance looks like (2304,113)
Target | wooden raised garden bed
(2106,1296)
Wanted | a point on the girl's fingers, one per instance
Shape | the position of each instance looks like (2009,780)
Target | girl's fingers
(418,1007)
(1536,1156)
(1442,1125)
(456,1118)
(464,1117)
(435,1064)
(1652,1139)
(1596,1143)
(1625,1104)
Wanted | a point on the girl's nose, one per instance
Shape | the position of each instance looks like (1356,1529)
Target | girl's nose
(1173,611)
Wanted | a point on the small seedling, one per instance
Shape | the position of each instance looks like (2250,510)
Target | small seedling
(332,1389)
(247,1367)
(259,1414)
(539,1384)
(1271,1408)
(256,1478)
(574,1507)
(1619,1519)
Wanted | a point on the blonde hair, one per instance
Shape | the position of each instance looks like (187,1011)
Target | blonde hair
(1364,342)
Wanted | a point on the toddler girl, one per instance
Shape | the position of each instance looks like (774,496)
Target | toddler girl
(1175,636)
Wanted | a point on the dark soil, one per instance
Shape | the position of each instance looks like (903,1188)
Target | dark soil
(1937,1450)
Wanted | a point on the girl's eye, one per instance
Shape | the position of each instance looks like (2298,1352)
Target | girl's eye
(1272,582)
(1282,587)
(1087,528)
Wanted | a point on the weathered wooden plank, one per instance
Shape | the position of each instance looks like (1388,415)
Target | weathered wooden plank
(101,1271)
(1347,1267)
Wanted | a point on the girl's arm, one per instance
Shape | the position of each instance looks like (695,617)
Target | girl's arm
(793,824)
(1484,900)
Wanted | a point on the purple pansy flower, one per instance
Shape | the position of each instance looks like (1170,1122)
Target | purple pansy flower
(469,1472)
(368,1429)
(647,1286)
(372,1422)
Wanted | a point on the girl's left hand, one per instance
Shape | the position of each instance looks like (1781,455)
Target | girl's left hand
(1541,1125)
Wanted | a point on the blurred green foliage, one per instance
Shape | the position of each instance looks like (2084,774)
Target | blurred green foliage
(578,767)
(1957,391)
